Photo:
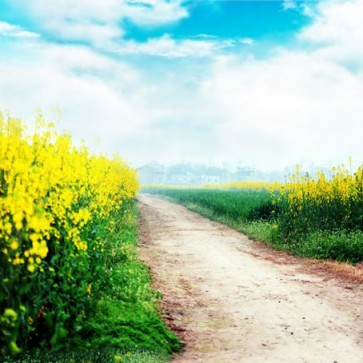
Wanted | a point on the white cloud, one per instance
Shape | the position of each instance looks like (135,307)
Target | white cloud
(296,104)
(306,7)
(247,41)
(154,12)
(98,97)
(289,4)
(293,107)
(337,31)
(336,21)
(10,30)
(166,46)
(95,21)
(88,20)
(6,27)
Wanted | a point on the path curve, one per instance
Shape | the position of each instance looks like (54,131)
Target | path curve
(230,303)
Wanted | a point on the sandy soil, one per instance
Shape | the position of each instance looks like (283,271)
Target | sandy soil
(233,300)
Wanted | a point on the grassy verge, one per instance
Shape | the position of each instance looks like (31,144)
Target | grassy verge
(122,322)
(93,356)
(249,212)
(253,213)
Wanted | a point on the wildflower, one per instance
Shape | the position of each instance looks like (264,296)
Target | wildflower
(14,245)
(31,268)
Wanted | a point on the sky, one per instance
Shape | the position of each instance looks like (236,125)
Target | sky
(267,84)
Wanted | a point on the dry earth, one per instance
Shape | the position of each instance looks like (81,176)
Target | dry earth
(232,300)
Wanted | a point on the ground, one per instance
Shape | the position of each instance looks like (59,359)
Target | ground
(234,300)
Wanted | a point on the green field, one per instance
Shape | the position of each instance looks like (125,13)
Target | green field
(265,216)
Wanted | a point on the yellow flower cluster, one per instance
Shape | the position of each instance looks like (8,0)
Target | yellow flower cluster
(342,185)
(49,189)
(324,201)
(244,185)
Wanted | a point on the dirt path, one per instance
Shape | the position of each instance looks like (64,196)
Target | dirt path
(232,301)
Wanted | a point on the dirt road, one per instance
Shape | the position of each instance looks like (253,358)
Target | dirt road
(233,301)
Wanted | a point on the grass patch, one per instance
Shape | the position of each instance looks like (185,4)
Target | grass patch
(94,356)
(126,311)
(246,205)
(257,230)
(341,246)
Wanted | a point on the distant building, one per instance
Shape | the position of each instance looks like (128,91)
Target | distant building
(198,174)
(152,174)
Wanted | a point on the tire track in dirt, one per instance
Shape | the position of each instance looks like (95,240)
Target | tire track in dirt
(231,300)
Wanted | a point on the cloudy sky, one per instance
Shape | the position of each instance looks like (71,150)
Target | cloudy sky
(264,83)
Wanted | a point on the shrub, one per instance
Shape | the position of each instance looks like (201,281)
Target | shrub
(55,200)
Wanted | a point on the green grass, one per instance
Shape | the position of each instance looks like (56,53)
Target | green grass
(254,213)
(340,245)
(246,205)
(91,356)
(126,314)
(122,321)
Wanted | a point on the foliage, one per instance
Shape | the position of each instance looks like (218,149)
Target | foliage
(338,245)
(122,321)
(307,204)
(125,312)
(92,355)
(55,205)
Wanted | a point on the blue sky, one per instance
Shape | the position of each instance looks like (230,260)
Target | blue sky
(262,83)
(228,19)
